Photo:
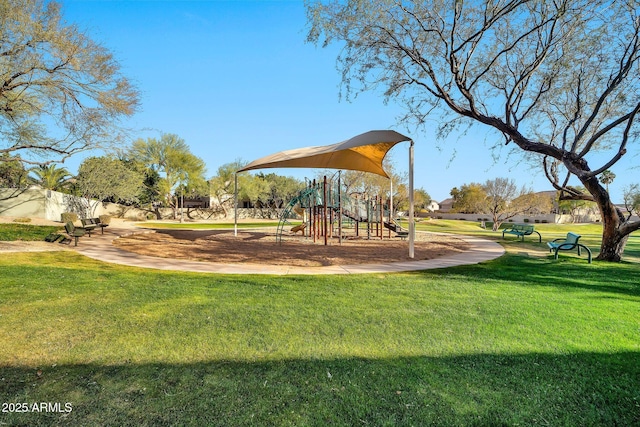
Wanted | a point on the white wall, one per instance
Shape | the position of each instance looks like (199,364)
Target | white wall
(520,219)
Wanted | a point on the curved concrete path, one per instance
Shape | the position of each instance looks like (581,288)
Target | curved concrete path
(100,247)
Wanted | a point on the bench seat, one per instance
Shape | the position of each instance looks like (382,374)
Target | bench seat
(568,244)
(521,230)
(74,232)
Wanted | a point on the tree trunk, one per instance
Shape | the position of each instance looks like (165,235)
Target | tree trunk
(613,240)
(612,247)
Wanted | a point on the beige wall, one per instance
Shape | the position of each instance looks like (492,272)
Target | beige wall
(550,218)
(36,202)
(22,203)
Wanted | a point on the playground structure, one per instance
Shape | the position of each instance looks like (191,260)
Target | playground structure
(364,152)
(326,212)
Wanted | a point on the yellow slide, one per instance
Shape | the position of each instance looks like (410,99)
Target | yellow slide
(300,227)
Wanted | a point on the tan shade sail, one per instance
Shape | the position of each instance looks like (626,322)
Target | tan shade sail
(364,152)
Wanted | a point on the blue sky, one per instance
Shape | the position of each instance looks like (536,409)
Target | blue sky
(236,80)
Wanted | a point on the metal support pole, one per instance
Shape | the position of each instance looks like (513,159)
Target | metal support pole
(181,205)
(339,208)
(326,211)
(391,199)
(381,218)
(412,229)
(235,205)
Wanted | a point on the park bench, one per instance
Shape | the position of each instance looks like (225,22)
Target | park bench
(74,232)
(521,230)
(568,244)
(402,234)
(90,224)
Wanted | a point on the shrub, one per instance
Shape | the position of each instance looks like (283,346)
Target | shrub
(526,220)
(22,219)
(69,217)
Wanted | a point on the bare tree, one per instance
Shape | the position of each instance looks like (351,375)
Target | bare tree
(504,200)
(60,92)
(558,79)
(631,196)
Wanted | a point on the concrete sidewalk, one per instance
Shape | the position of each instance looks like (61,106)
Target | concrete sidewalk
(100,247)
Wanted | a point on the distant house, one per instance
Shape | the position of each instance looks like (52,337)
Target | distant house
(446,205)
(433,206)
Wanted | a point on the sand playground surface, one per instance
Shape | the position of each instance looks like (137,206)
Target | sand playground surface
(260,247)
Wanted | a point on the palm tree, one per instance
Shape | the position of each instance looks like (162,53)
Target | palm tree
(51,177)
(607,178)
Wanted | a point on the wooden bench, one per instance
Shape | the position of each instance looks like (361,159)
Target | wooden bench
(568,244)
(521,230)
(74,232)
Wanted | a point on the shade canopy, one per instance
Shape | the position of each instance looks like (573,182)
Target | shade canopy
(364,152)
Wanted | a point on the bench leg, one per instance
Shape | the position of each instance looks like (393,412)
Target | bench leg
(588,252)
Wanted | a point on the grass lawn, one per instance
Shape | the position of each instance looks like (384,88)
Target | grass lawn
(26,232)
(521,340)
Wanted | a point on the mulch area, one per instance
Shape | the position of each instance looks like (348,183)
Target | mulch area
(260,247)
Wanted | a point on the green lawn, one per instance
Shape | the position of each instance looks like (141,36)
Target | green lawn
(591,236)
(522,340)
(26,232)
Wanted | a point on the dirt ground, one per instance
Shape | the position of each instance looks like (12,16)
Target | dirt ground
(260,247)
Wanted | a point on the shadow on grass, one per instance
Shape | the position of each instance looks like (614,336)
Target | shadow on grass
(534,389)
(563,274)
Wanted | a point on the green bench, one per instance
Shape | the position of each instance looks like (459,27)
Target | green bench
(74,232)
(568,244)
(402,234)
(91,224)
(521,230)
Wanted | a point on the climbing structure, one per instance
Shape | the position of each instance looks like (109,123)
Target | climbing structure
(325,209)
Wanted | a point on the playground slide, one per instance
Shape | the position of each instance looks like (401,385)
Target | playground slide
(300,227)
(395,227)
(352,216)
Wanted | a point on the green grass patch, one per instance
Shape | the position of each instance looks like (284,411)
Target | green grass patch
(591,237)
(516,341)
(26,232)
